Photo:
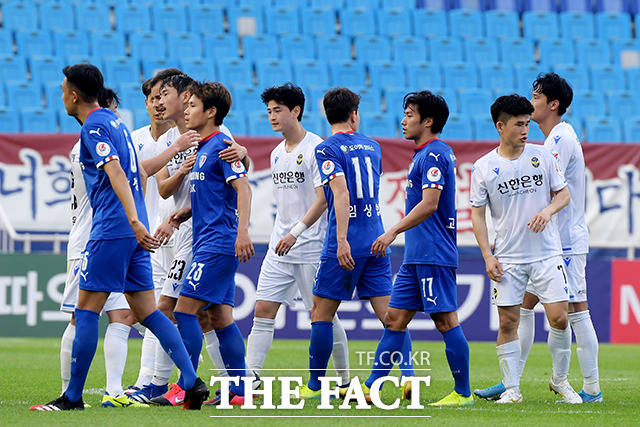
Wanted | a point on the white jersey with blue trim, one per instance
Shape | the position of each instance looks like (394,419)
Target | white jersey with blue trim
(81,213)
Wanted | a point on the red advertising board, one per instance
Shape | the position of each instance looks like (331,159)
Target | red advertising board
(625,301)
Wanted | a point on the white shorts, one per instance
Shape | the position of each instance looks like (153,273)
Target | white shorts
(183,245)
(161,262)
(115,301)
(575,266)
(277,281)
(546,279)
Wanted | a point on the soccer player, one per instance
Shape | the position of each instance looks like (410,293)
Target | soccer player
(115,258)
(427,279)
(298,231)
(552,95)
(523,187)
(221,207)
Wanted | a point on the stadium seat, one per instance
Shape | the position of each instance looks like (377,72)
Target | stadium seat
(436,4)
(167,18)
(236,121)
(273,72)
(140,118)
(474,5)
(631,129)
(577,76)
(612,6)
(132,17)
(516,50)
(613,26)
(67,123)
(221,46)
(3,97)
(333,48)
(282,20)
(314,122)
(466,23)
(70,43)
(314,98)
(200,68)
(34,43)
(506,5)
(121,69)
(326,4)
(496,76)
(540,25)
(535,134)
(457,128)
(46,69)
(626,53)
(450,97)
(318,21)
(379,125)
(540,5)
(370,99)
(386,74)
(246,21)
(588,104)
(108,43)
(480,50)
(603,130)
(297,46)
(502,23)
(261,46)
(394,22)
(606,77)
(445,49)
(259,124)
(235,72)
(475,102)
(247,98)
(57,15)
(38,120)
(525,75)
(430,23)
(459,75)
(373,48)
(20,16)
(22,94)
(362,4)
(397,4)
(357,22)
(92,16)
(311,73)
(593,51)
(131,96)
(147,45)
(557,51)
(484,129)
(394,100)
(184,45)
(286,3)
(424,75)
(347,73)
(577,25)
(251,3)
(8,122)
(576,5)
(53,95)
(6,42)
(206,18)
(152,65)
(623,104)
(409,49)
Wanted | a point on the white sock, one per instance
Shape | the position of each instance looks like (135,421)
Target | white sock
(526,334)
(213,349)
(340,352)
(163,367)
(66,344)
(559,342)
(259,342)
(587,343)
(509,360)
(115,356)
(147,359)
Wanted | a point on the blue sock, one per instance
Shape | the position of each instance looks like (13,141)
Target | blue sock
(82,352)
(191,334)
(232,352)
(320,347)
(170,340)
(406,367)
(457,351)
(389,347)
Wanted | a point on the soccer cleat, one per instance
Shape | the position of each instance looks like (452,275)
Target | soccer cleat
(406,391)
(365,390)
(122,401)
(565,390)
(59,404)
(342,390)
(307,393)
(454,399)
(148,392)
(490,393)
(590,398)
(257,382)
(234,399)
(174,397)
(131,389)
(197,394)
(510,396)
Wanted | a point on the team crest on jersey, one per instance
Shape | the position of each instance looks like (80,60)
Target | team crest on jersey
(535,162)
(434,174)
(203,159)
(327,167)
(344,148)
(237,166)
(299,159)
(103,149)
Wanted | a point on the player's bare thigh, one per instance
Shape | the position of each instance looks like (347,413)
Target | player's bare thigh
(380,305)
(397,319)
(220,316)
(323,309)
(123,316)
(91,300)
(266,309)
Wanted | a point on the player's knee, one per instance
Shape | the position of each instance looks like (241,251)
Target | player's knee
(559,320)
(266,310)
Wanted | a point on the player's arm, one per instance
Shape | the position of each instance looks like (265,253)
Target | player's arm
(143,177)
(235,152)
(314,212)
(165,229)
(184,142)
(541,219)
(479,222)
(243,246)
(169,184)
(341,205)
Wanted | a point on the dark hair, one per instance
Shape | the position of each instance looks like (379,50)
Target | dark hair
(429,105)
(554,88)
(180,82)
(108,96)
(288,94)
(339,103)
(86,78)
(158,77)
(510,106)
(213,94)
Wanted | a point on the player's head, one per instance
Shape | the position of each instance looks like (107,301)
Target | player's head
(209,104)
(285,105)
(174,96)
(81,85)
(511,115)
(108,98)
(425,114)
(552,95)
(341,106)
(151,91)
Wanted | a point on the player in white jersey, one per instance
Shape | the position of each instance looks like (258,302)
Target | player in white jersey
(517,181)
(299,229)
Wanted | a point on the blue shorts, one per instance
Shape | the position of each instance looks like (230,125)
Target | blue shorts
(115,265)
(371,277)
(211,278)
(425,287)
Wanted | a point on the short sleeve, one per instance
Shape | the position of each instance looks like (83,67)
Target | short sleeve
(233,170)
(98,142)
(562,150)
(557,180)
(433,169)
(315,173)
(328,163)
(478,194)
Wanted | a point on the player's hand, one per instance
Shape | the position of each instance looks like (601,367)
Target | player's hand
(146,240)
(539,221)
(187,140)
(164,232)
(188,164)
(285,244)
(235,152)
(344,255)
(244,247)
(379,247)
(494,269)
(178,217)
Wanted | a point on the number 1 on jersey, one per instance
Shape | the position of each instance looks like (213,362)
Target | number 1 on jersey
(359,183)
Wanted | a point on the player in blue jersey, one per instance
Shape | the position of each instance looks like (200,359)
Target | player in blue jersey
(116,258)
(427,279)
(220,207)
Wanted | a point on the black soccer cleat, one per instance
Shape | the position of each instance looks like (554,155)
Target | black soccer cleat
(197,394)
(59,404)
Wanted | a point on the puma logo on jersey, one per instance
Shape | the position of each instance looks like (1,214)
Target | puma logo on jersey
(433,300)
(97,132)
(435,155)
(321,151)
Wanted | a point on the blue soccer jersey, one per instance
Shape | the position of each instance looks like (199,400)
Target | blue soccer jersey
(214,202)
(359,159)
(434,240)
(104,137)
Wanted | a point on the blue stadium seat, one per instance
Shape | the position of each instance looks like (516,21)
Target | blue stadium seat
(437,4)
(261,46)
(53,95)
(311,73)
(394,100)
(122,69)
(235,72)
(251,3)
(540,25)
(466,23)
(576,5)
(613,26)
(430,23)
(38,120)
(12,66)
(458,127)
(502,23)
(67,123)
(152,65)
(525,75)
(506,5)
(459,75)
(362,4)
(70,43)
(535,134)
(475,102)
(475,5)
(55,15)
(282,20)
(200,68)
(333,48)
(246,20)
(370,99)
(633,80)
(314,97)
(445,49)
(631,129)
(3,97)
(449,95)
(259,124)
(497,76)
(140,118)
(6,42)
(484,129)
(20,16)
(297,46)
(577,76)
(577,25)
(108,43)
(206,18)
(34,43)
(606,77)
(131,96)
(623,104)
(236,121)
(83,59)
(357,22)
(184,45)
(480,50)
(409,49)
(557,51)
(588,104)
(394,22)
(247,98)
(386,74)
(398,4)
(286,3)
(273,72)
(147,45)
(626,53)
(21,94)
(540,5)
(132,17)
(326,4)
(517,50)
(593,51)
(8,122)
(221,46)
(92,16)
(347,73)
(373,48)
(167,17)
(316,123)
(46,69)
(318,21)
(603,130)
(612,6)
(424,75)
(379,125)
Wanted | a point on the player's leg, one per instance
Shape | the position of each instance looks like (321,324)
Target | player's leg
(115,345)
(321,341)
(68,305)
(211,343)
(147,358)
(526,328)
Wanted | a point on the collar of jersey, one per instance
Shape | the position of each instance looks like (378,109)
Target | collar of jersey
(424,144)
(211,136)
(349,131)
(91,112)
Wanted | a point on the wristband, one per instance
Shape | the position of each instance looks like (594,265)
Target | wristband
(297,229)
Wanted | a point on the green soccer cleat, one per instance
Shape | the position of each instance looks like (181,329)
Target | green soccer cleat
(454,399)
(122,401)
(307,393)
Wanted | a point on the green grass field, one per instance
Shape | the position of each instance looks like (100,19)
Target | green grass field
(30,372)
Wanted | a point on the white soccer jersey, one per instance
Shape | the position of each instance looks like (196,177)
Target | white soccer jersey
(148,148)
(81,212)
(295,177)
(565,147)
(516,190)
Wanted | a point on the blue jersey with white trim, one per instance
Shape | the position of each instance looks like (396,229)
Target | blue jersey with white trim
(103,138)
(434,240)
(359,159)
(214,202)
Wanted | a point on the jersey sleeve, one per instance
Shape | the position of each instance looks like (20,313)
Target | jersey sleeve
(557,180)
(563,151)
(233,170)
(328,163)
(315,172)
(433,169)
(97,139)
(478,194)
